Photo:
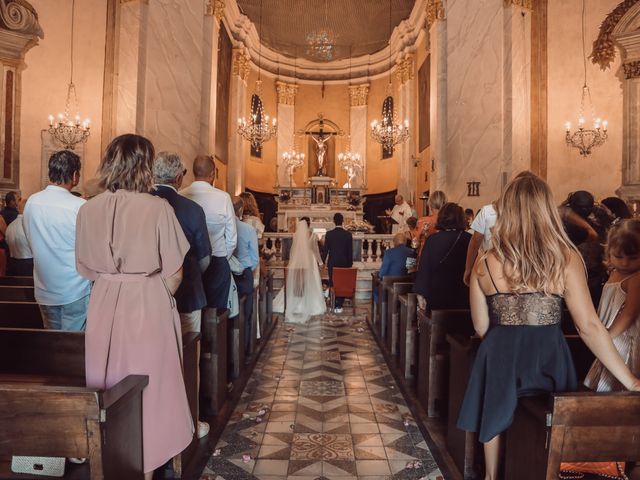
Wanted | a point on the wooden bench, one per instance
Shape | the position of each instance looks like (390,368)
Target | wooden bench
(13,293)
(16,281)
(50,363)
(383,303)
(571,427)
(375,306)
(407,337)
(213,360)
(433,356)
(20,315)
(393,291)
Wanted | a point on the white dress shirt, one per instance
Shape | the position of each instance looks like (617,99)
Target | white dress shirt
(221,219)
(400,213)
(483,223)
(50,225)
(17,240)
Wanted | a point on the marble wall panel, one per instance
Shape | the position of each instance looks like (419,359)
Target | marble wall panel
(285,140)
(358,127)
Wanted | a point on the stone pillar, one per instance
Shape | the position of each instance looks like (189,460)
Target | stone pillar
(437,31)
(405,73)
(630,188)
(285,138)
(238,150)
(358,127)
(214,13)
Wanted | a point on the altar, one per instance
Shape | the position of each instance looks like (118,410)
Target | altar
(319,200)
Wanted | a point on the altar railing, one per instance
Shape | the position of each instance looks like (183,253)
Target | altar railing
(367,247)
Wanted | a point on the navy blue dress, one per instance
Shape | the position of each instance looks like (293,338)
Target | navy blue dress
(523,353)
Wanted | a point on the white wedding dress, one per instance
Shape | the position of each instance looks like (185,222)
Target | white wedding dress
(303,290)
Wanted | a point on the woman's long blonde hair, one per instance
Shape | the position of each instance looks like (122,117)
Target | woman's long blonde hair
(529,239)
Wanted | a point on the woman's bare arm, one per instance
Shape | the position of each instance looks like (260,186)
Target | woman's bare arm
(478,302)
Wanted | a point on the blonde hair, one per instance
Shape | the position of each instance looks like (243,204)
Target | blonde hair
(437,200)
(528,238)
(250,204)
(126,164)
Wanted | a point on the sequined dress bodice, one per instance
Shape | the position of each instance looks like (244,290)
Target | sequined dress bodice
(535,309)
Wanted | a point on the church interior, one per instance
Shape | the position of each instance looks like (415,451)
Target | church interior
(340,113)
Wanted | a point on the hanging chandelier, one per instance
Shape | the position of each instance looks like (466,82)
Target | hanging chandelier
(389,131)
(351,163)
(584,138)
(257,129)
(66,130)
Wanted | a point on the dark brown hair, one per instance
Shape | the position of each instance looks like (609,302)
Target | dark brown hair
(451,217)
(624,238)
(127,164)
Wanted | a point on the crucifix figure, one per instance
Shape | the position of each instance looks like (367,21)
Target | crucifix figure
(321,137)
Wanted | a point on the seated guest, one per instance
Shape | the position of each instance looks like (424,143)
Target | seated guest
(168,172)
(20,262)
(221,225)
(132,246)
(251,214)
(618,207)
(394,261)
(247,254)
(10,210)
(439,281)
(50,225)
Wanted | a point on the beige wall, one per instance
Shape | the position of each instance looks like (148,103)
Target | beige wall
(567,170)
(45,79)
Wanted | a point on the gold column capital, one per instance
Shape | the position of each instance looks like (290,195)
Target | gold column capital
(528,4)
(241,61)
(359,95)
(405,69)
(286,93)
(435,11)
(214,8)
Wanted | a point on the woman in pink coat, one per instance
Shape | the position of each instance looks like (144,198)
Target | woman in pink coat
(131,245)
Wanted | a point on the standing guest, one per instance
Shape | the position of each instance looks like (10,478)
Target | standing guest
(394,261)
(400,212)
(247,254)
(20,262)
(10,210)
(517,291)
(50,225)
(338,246)
(411,232)
(168,173)
(439,282)
(221,225)
(427,225)
(481,236)
(132,246)
(619,307)
(618,207)
(251,214)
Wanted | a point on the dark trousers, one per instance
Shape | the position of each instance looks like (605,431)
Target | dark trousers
(217,282)
(20,267)
(244,283)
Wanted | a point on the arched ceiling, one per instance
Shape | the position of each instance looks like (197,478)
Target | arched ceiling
(325,30)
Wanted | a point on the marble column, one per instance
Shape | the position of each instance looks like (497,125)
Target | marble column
(285,138)
(238,148)
(405,73)
(214,13)
(437,30)
(358,127)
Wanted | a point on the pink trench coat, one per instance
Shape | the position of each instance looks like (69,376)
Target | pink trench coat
(128,243)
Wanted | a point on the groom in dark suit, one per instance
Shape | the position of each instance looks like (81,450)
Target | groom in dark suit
(338,246)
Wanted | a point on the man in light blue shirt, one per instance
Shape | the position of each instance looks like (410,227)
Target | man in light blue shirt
(247,254)
(50,226)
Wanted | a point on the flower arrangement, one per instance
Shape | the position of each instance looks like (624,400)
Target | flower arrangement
(359,226)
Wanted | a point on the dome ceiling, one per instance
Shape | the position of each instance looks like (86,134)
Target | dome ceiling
(325,30)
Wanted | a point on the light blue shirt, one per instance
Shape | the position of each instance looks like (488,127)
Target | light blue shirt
(247,249)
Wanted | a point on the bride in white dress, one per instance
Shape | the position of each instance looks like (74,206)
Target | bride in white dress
(304,296)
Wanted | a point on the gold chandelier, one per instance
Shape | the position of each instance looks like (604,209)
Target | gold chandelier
(67,130)
(584,138)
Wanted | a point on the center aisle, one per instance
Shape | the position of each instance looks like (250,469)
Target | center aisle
(322,403)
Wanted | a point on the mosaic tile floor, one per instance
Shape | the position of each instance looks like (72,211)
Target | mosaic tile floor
(321,404)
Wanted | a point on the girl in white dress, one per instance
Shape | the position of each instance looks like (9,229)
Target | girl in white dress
(619,307)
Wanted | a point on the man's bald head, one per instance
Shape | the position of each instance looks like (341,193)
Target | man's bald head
(203,168)
(399,239)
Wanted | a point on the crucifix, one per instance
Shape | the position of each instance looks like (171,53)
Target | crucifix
(321,137)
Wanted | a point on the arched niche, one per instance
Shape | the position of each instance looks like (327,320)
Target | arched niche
(19,31)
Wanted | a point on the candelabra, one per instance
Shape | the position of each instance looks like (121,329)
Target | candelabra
(293,159)
(351,162)
(257,129)
(389,132)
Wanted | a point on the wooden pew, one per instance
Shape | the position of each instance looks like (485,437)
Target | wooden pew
(572,427)
(37,358)
(12,293)
(433,357)
(383,303)
(235,346)
(375,306)
(407,337)
(16,281)
(20,315)
(392,336)
(213,360)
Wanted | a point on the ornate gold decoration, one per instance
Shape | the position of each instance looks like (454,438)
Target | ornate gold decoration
(240,63)
(404,69)
(435,11)
(286,93)
(604,50)
(358,95)
(214,7)
(632,69)
(20,16)
(520,3)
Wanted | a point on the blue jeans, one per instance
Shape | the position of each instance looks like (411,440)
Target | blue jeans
(71,317)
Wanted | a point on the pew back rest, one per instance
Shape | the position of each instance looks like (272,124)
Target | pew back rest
(17,281)
(454,322)
(20,315)
(17,293)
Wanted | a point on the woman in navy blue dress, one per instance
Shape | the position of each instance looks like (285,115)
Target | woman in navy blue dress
(516,295)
